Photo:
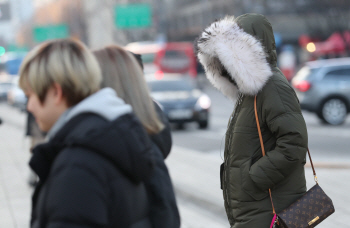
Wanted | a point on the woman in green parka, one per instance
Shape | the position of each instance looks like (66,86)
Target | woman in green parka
(239,58)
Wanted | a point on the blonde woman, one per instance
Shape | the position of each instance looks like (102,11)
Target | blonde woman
(97,156)
(122,72)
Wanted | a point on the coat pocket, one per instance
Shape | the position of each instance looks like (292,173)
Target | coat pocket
(248,184)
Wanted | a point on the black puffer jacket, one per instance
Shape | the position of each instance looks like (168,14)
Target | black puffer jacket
(91,175)
(163,139)
(164,211)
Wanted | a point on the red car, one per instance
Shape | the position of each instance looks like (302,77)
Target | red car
(173,57)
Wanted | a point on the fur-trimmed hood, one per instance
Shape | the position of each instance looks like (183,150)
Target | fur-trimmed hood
(237,54)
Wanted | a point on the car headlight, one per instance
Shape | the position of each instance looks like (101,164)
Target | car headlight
(203,102)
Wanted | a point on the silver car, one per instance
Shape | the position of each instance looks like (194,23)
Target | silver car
(180,99)
(16,96)
(323,87)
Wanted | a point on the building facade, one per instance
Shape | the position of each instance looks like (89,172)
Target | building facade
(289,19)
(12,14)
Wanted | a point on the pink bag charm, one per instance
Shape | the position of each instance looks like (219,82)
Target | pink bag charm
(273,221)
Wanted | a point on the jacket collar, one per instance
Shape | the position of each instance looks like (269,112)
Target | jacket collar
(123,142)
(104,103)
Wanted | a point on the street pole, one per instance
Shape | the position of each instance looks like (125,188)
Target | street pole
(161,22)
(99,22)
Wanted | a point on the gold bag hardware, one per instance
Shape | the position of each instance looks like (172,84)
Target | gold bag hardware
(314,220)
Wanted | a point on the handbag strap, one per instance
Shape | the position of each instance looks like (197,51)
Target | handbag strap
(263,150)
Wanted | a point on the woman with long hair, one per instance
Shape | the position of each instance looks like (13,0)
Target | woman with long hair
(122,72)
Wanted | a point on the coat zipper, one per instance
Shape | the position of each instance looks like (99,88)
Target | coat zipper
(232,121)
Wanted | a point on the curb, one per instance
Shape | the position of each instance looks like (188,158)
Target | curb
(328,165)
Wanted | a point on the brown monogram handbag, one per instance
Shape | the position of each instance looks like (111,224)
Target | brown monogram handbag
(309,210)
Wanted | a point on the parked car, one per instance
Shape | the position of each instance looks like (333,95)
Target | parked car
(323,87)
(4,88)
(16,96)
(180,100)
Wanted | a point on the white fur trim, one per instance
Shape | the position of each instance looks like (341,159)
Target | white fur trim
(212,69)
(241,54)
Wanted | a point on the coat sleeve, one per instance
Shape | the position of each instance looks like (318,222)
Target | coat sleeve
(163,139)
(281,114)
(76,199)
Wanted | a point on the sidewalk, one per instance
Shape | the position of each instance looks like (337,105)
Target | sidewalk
(195,177)
(15,194)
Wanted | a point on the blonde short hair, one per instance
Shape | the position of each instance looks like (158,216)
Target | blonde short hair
(67,62)
(122,72)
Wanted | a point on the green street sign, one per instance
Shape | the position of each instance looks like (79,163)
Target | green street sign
(2,50)
(43,33)
(133,16)
(15,48)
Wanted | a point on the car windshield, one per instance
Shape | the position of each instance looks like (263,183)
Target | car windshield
(170,85)
(148,58)
(338,74)
(174,61)
(304,72)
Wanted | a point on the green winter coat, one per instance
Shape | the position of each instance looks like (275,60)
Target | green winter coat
(240,60)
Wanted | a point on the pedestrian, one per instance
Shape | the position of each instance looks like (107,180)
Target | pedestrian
(122,71)
(36,137)
(239,58)
(163,138)
(97,156)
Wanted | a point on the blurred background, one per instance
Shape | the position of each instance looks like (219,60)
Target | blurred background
(313,46)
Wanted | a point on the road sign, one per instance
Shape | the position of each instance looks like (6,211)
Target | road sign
(43,33)
(133,16)
(16,48)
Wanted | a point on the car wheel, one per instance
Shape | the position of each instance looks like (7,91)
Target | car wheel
(203,124)
(334,111)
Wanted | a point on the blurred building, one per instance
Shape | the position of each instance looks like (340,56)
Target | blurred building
(66,14)
(101,26)
(12,14)
(290,18)
(189,17)
(94,21)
